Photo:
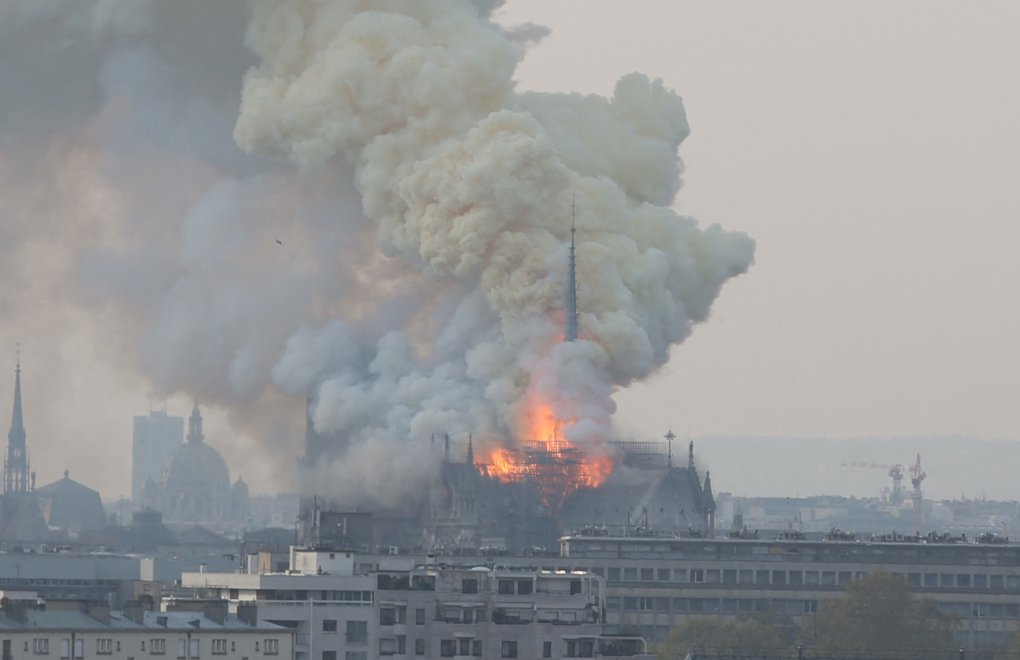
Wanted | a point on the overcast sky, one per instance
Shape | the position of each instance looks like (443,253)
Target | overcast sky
(869,148)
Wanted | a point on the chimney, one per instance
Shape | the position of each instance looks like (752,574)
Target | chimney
(98,611)
(215,610)
(15,610)
(134,611)
(248,613)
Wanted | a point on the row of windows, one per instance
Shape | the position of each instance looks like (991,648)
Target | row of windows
(157,646)
(902,554)
(772,577)
(793,607)
(711,605)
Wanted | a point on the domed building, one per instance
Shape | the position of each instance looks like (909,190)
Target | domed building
(71,506)
(197,486)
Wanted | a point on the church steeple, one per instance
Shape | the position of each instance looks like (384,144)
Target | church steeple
(571,329)
(16,473)
(195,426)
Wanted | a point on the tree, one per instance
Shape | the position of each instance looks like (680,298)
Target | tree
(878,615)
(714,636)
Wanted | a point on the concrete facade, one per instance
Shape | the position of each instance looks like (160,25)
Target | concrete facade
(428,611)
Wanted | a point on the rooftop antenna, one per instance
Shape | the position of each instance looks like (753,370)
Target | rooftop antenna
(571,334)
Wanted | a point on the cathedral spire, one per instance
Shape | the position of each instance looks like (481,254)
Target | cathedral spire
(16,474)
(571,329)
(470,451)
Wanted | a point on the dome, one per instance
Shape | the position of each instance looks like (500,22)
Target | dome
(197,483)
(70,505)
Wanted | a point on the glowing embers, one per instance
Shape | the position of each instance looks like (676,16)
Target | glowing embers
(555,466)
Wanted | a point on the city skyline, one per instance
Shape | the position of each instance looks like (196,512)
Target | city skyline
(868,151)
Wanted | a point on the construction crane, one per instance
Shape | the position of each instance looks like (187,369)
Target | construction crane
(917,475)
(895,470)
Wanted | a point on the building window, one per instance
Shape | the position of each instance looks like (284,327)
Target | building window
(357,632)
(697,575)
(356,655)
(465,646)
(546,649)
(447,648)
(505,587)
(387,616)
(476,648)
(419,616)
(271,647)
(329,626)
(219,647)
(157,646)
(104,646)
(469,585)
(329,655)
(647,574)
(182,648)
(582,648)
(194,648)
(41,646)
(387,646)
(508,650)
(419,647)
(525,587)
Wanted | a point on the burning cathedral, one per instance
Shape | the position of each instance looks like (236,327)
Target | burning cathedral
(523,497)
(460,379)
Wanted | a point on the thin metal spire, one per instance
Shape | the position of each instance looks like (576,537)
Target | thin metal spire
(571,329)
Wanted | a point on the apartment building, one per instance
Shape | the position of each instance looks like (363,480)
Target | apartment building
(82,630)
(655,583)
(344,608)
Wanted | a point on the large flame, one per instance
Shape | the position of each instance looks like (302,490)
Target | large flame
(545,457)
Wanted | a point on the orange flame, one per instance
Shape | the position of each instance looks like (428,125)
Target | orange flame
(548,459)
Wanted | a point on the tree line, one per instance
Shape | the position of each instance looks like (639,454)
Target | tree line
(877,617)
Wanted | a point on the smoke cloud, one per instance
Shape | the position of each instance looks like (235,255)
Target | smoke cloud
(383,225)
(472,184)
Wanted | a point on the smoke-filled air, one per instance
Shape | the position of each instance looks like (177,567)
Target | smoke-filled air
(387,236)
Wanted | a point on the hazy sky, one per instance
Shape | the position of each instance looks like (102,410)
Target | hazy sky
(870,149)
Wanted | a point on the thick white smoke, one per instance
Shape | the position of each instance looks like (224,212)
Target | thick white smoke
(472,183)
(409,272)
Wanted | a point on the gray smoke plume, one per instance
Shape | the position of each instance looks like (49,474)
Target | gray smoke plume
(471,184)
(408,273)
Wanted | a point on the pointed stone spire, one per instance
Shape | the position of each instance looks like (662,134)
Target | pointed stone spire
(16,472)
(16,436)
(195,425)
(471,451)
(446,450)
